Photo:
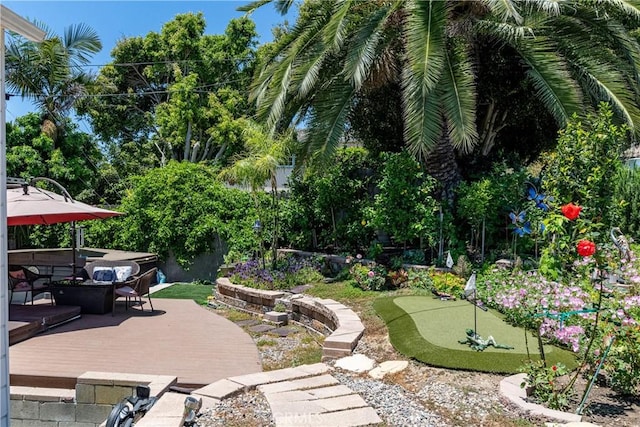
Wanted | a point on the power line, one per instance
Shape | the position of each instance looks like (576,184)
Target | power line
(176,61)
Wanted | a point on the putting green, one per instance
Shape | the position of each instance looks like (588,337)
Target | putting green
(428,330)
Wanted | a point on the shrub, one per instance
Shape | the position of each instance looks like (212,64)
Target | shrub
(369,277)
(419,279)
(447,283)
(544,384)
(404,206)
(288,273)
(180,209)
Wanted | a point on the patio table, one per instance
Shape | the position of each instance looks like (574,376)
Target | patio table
(92,297)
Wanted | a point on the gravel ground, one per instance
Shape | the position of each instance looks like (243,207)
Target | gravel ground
(419,396)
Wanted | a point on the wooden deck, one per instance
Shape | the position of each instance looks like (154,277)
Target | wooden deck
(180,339)
(25,321)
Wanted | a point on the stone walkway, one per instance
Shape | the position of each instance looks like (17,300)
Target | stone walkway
(304,396)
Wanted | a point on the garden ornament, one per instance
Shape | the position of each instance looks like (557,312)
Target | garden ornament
(621,243)
(443,295)
(476,342)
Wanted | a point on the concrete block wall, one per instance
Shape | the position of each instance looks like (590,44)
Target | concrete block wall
(344,325)
(88,405)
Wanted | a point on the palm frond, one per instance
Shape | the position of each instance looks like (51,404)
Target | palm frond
(548,7)
(250,7)
(606,83)
(505,10)
(328,120)
(425,41)
(550,76)
(422,120)
(363,47)
(425,47)
(334,31)
(458,97)
(609,73)
(507,33)
(276,80)
(310,71)
(81,42)
(630,8)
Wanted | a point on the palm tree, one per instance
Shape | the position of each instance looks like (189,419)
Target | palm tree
(573,53)
(259,164)
(51,73)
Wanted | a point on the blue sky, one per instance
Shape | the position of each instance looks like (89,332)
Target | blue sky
(114,20)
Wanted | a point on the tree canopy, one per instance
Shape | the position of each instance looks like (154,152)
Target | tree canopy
(340,51)
(177,93)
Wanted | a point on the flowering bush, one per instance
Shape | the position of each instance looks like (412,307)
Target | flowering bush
(586,248)
(544,385)
(369,277)
(571,211)
(447,283)
(564,311)
(289,272)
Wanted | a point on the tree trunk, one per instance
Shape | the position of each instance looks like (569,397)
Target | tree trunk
(491,125)
(441,164)
(187,142)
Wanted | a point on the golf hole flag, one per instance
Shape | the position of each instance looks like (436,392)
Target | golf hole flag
(449,260)
(470,288)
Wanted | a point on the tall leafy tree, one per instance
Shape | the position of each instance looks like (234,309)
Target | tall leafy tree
(74,161)
(572,54)
(52,73)
(176,93)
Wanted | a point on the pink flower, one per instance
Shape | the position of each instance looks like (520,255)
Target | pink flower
(371,273)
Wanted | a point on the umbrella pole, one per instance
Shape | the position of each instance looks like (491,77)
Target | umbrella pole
(73,246)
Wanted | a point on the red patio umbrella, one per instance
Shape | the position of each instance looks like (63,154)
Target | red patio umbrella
(29,205)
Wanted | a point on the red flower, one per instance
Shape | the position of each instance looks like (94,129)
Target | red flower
(554,368)
(571,211)
(586,248)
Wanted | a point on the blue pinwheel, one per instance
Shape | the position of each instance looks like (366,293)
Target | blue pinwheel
(538,198)
(524,229)
(517,218)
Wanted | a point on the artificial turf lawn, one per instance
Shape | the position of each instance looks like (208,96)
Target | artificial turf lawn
(196,292)
(428,329)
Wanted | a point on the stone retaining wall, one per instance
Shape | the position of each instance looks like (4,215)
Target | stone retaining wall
(88,405)
(344,325)
(256,300)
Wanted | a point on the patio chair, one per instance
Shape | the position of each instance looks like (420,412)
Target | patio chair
(25,279)
(139,288)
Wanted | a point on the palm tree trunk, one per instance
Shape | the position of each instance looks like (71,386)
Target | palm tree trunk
(441,164)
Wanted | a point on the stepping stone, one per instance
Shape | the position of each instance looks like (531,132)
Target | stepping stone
(389,367)
(261,328)
(299,289)
(247,322)
(283,332)
(356,363)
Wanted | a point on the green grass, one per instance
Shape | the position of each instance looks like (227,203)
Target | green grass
(428,330)
(196,292)
(266,342)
